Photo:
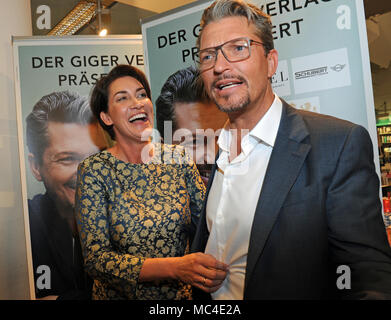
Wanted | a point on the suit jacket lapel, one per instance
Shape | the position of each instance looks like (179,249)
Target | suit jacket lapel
(287,158)
(202,233)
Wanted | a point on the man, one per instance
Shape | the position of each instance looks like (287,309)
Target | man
(185,115)
(61,131)
(293,207)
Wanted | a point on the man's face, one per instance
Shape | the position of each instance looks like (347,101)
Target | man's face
(69,144)
(207,120)
(243,85)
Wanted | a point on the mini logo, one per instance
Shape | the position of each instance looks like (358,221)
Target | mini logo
(338,67)
(321,71)
(311,73)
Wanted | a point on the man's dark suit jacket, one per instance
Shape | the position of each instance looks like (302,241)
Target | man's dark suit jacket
(319,208)
(52,246)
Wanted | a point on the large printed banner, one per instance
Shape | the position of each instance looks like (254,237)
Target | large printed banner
(55,77)
(49,64)
(323,54)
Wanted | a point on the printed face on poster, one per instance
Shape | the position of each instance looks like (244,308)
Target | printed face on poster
(322,46)
(54,78)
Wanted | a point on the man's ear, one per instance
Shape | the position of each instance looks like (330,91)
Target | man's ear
(34,166)
(106,118)
(272,60)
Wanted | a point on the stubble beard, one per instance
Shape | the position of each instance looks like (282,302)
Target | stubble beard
(233,106)
(230,104)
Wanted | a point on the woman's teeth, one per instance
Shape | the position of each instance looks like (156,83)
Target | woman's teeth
(140,116)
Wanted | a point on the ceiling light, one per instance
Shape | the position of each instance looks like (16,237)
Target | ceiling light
(103,32)
(79,16)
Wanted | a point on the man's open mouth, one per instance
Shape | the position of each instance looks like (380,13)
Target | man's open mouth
(228,82)
(229,85)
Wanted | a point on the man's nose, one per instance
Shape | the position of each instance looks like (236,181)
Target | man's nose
(221,62)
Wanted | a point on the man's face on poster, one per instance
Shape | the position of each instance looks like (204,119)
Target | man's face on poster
(202,121)
(69,144)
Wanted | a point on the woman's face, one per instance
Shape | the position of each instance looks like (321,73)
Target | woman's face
(130,111)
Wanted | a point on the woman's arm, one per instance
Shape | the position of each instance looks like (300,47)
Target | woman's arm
(102,261)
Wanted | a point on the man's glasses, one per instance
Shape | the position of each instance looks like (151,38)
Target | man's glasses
(234,50)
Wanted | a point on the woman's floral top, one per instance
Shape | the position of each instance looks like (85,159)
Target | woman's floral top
(129,212)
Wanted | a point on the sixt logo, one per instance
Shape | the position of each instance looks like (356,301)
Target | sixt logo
(338,67)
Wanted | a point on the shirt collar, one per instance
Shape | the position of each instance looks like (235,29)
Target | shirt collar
(265,130)
(267,127)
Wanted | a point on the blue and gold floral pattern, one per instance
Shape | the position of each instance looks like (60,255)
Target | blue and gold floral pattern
(128,212)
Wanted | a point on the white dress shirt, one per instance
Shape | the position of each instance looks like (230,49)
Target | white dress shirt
(234,195)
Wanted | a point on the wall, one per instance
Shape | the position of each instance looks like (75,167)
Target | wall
(15,17)
(381,79)
(123,19)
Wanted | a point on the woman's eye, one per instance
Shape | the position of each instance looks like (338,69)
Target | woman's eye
(121,98)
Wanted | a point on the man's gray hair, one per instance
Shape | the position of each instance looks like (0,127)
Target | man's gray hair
(237,8)
(62,107)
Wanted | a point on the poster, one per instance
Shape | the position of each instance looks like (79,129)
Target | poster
(323,54)
(59,73)
(169,42)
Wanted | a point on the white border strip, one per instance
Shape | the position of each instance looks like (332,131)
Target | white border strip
(22,167)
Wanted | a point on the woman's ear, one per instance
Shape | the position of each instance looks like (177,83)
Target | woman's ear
(106,118)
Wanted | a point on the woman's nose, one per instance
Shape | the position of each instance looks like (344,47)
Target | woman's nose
(136,104)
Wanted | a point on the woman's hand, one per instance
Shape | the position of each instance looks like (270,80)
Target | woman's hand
(200,270)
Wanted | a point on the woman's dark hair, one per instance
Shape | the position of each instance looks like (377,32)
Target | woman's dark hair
(100,92)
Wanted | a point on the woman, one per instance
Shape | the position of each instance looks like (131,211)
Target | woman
(136,201)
